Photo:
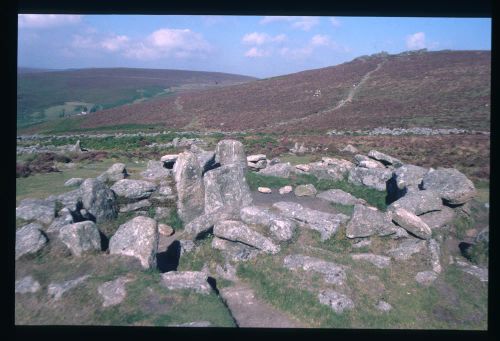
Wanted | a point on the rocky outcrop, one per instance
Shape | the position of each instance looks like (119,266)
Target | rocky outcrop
(281,228)
(137,238)
(366,222)
(81,237)
(451,185)
(239,232)
(29,240)
(195,280)
(190,187)
(325,223)
(206,221)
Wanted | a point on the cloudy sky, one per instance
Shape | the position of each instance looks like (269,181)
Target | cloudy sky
(257,46)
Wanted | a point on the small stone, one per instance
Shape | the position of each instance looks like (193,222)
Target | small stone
(426,278)
(305,190)
(266,190)
(165,230)
(113,292)
(337,301)
(56,290)
(285,189)
(383,306)
(27,285)
(196,280)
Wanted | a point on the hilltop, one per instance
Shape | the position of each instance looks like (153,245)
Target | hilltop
(48,94)
(442,89)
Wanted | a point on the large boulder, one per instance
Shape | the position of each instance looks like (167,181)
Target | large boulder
(98,200)
(326,224)
(195,280)
(375,178)
(305,190)
(36,209)
(332,272)
(367,222)
(453,187)
(229,152)
(189,185)
(418,202)
(409,177)
(114,173)
(385,159)
(64,217)
(240,232)
(439,219)
(29,240)
(407,248)
(206,221)
(226,186)
(338,196)
(81,237)
(234,251)
(134,189)
(281,170)
(156,171)
(411,223)
(137,238)
(281,228)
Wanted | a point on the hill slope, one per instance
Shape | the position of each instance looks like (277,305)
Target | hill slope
(46,95)
(425,89)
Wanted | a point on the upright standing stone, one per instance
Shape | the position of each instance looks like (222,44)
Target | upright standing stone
(230,152)
(190,188)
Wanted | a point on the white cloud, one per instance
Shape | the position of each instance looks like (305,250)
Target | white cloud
(297,53)
(168,42)
(257,38)
(255,52)
(115,43)
(306,23)
(320,40)
(47,20)
(83,42)
(303,23)
(335,22)
(416,41)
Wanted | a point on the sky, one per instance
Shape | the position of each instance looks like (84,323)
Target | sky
(259,46)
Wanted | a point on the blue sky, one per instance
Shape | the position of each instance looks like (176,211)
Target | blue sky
(250,45)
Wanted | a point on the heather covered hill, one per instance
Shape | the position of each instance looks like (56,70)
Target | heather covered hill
(424,89)
(47,94)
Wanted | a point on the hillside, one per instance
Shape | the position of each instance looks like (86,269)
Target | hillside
(48,95)
(425,89)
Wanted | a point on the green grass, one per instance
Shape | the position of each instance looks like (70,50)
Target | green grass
(174,220)
(372,196)
(462,224)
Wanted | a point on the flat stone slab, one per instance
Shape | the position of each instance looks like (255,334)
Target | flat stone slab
(333,273)
(195,280)
(250,312)
(377,260)
(56,290)
(405,249)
